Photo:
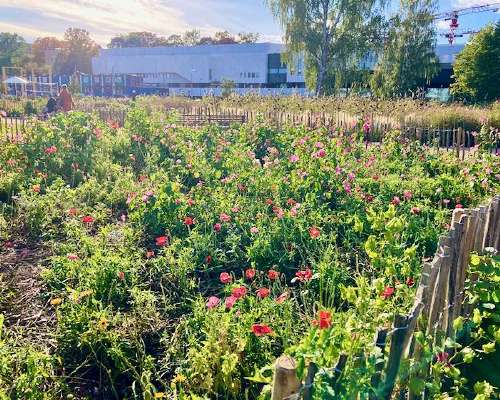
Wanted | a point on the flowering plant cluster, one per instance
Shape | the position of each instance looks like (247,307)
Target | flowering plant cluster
(184,261)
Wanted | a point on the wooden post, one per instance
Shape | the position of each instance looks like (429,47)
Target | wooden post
(311,373)
(380,342)
(395,353)
(285,381)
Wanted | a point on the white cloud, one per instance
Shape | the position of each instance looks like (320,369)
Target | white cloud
(105,18)
(443,25)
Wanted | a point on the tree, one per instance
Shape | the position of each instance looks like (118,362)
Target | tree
(333,34)
(78,52)
(477,67)
(408,60)
(224,38)
(206,40)
(136,39)
(174,40)
(42,45)
(191,38)
(12,48)
(244,37)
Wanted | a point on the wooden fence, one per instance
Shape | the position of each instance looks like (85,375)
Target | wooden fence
(438,302)
(13,128)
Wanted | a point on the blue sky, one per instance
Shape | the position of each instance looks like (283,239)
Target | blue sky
(106,18)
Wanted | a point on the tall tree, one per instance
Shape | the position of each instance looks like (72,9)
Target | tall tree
(224,37)
(244,37)
(477,67)
(42,46)
(191,38)
(78,52)
(408,60)
(136,39)
(329,32)
(174,40)
(12,48)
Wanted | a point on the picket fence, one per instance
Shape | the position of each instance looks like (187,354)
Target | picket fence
(438,302)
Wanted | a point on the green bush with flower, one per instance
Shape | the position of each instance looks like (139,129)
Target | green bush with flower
(184,261)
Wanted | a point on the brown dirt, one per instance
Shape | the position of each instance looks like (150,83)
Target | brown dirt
(21,301)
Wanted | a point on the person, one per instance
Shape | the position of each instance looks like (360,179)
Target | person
(65,99)
(51,105)
(134,95)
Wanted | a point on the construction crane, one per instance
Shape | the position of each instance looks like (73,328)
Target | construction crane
(453,15)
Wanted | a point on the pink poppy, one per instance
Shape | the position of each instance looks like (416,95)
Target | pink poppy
(212,302)
(263,293)
(230,301)
(225,277)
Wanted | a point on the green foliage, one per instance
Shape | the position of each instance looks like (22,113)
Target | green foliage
(476,69)
(408,60)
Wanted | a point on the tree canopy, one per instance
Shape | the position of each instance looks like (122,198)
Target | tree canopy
(13,47)
(189,38)
(333,34)
(77,53)
(477,68)
(408,59)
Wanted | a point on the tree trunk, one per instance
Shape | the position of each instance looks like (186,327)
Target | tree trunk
(320,81)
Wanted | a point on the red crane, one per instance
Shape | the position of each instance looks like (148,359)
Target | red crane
(453,15)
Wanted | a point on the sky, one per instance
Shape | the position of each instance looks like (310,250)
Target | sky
(107,18)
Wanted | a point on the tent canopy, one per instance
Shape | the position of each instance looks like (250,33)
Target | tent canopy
(16,79)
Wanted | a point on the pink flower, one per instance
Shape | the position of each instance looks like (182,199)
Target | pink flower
(230,301)
(261,330)
(319,145)
(294,158)
(282,298)
(217,227)
(98,133)
(304,275)
(407,195)
(212,302)
(72,257)
(254,230)
(388,292)
(314,232)
(396,200)
(225,277)
(278,211)
(51,150)
(320,153)
(250,273)
(239,292)
(442,357)
(459,206)
(224,218)
(415,210)
(272,274)
(208,259)
(263,293)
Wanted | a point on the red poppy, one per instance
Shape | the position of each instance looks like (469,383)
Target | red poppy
(409,281)
(272,274)
(324,320)
(217,227)
(250,273)
(230,301)
(304,275)
(261,330)
(388,292)
(459,206)
(51,150)
(225,277)
(269,202)
(87,219)
(188,221)
(162,241)
(263,293)
(239,292)
(415,210)
(314,232)
(208,259)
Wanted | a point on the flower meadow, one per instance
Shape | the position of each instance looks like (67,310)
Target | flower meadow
(181,262)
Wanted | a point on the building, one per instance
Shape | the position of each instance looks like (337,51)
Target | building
(202,70)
